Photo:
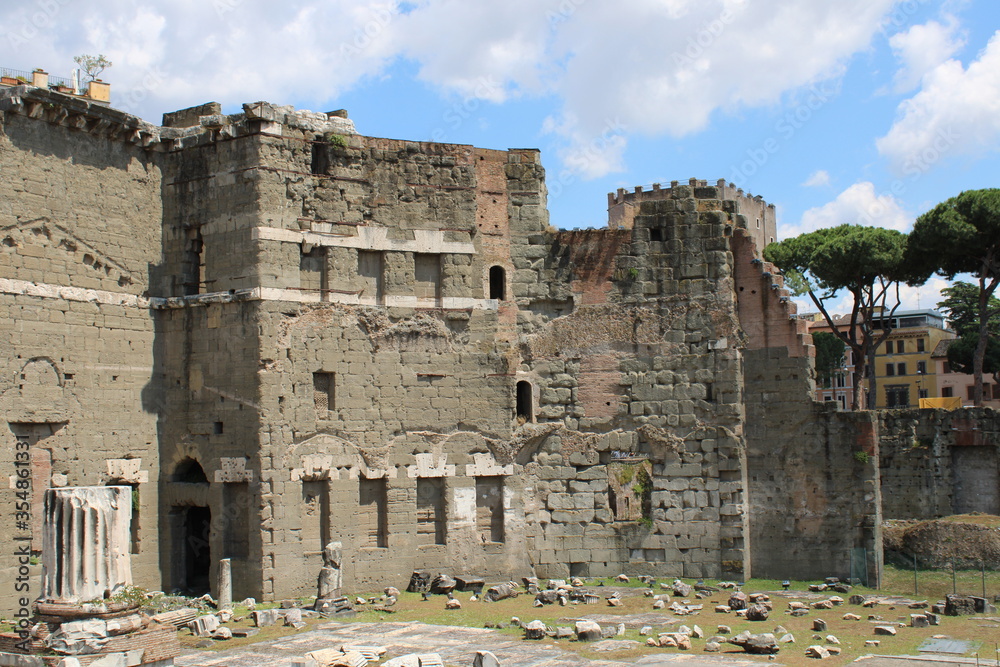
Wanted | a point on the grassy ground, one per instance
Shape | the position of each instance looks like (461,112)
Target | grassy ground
(852,634)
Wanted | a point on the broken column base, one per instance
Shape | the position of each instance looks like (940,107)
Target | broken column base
(85,635)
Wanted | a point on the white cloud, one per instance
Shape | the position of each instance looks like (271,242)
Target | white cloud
(857,205)
(957,110)
(655,66)
(170,55)
(922,48)
(676,65)
(817,179)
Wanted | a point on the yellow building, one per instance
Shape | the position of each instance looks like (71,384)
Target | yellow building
(904,370)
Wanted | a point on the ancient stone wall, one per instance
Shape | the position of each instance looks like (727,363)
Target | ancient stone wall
(79,235)
(286,334)
(935,463)
(631,355)
(812,472)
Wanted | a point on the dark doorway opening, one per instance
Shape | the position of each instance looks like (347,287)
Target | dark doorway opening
(192,548)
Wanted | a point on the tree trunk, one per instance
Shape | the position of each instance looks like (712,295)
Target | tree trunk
(860,364)
(980,353)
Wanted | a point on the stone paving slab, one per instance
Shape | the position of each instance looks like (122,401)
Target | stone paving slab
(456,645)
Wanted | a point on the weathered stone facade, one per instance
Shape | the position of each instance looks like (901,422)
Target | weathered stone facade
(282,333)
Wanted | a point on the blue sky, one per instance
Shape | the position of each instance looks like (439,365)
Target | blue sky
(864,111)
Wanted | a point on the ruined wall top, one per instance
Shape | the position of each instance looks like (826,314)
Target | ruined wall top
(180,129)
(761,218)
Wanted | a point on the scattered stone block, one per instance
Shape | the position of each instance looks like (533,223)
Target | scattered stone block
(293,616)
(819,625)
(919,621)
(535,630)
(737,601)
(762,644)
(265,617)
(501,592)
(832,639)
(408,660)
(787,638)
(587,631)
(757,612)
(470,584)
(886,630)
(851,617)
(485,659)
(420,582)
(816,651)
(244,632)
(959,605)
(222,633)
(712,647)
(443,584)
(204,626)
(452,604)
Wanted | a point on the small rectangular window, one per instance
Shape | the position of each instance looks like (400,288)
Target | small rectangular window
(900,346)
(901,369)
(946,392)
(922,367)
(371,272)
(920,345)
(312,270)
(427,276)
(324,393)
(890,369)
(372,514)
(431,516)
(489,508)
(970,391)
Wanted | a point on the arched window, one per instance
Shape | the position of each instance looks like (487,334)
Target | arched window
(498,283)
(523,400)
(189,471)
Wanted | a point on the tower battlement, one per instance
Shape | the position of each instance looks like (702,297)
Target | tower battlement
(761,218)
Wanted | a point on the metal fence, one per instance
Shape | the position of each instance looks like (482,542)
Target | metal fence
(976,577)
